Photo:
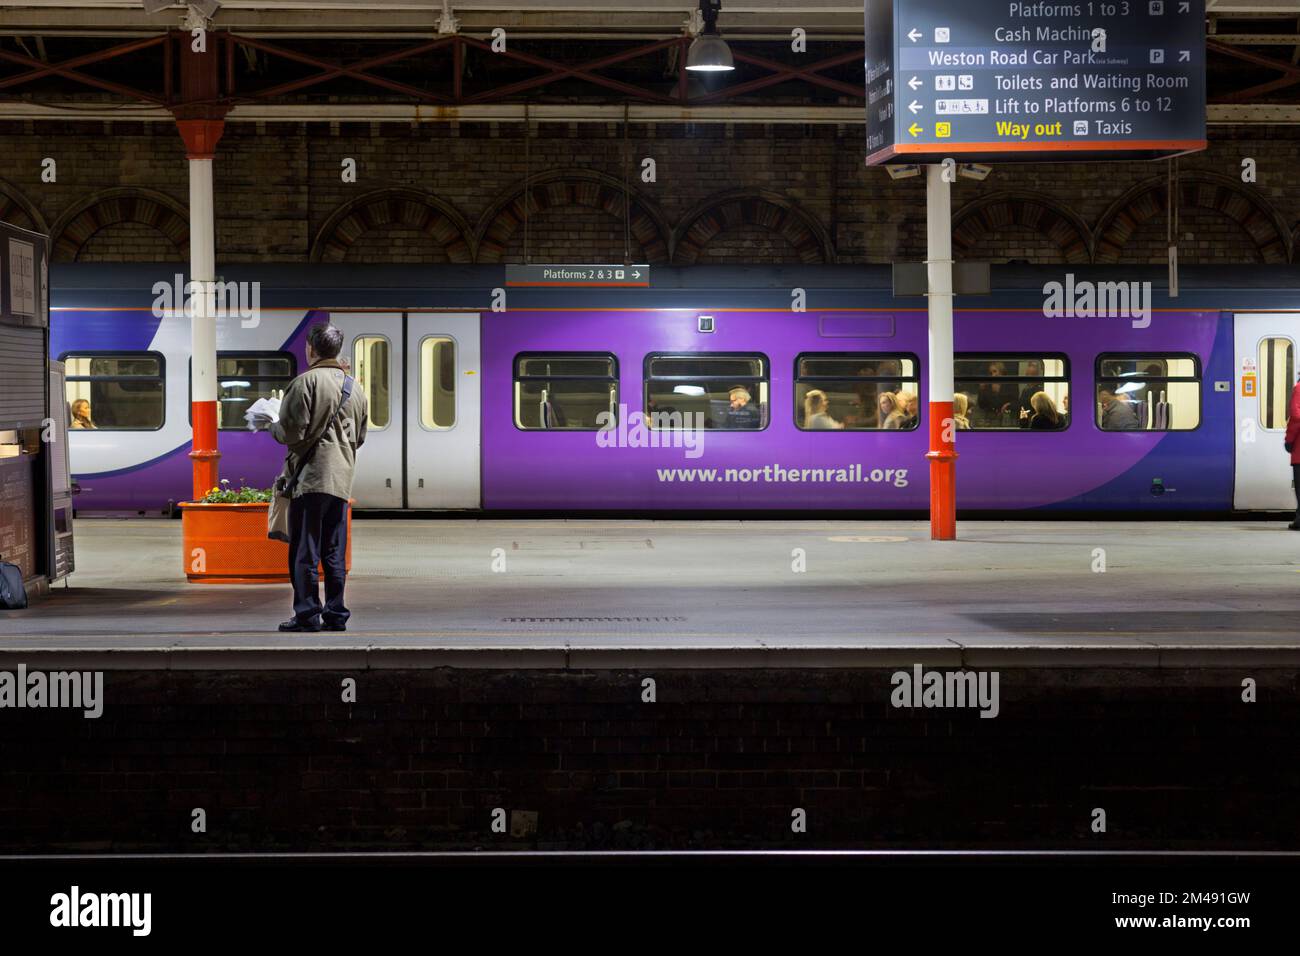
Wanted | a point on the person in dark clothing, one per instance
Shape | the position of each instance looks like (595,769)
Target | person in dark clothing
(1117,416)
(995,400)
(741,410)
(1043,415)
(1292,444)
(1034,369)
(322,421)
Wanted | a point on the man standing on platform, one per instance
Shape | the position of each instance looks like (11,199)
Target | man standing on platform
(323,423)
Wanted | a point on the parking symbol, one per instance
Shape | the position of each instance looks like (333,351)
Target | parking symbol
(1080,127)
(1157,8)
(1157,56)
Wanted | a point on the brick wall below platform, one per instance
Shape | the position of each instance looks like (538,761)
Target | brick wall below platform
(722,758)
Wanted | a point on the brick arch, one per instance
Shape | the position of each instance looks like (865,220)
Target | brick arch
(16,210)
(437,219)
(990,214)
(751,207)
(110,207)
(574,187)
(1257,218)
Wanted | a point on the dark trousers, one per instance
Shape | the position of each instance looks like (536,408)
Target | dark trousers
(1295,483)
(318,534)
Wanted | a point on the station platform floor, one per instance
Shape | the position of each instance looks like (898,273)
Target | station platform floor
(700,593)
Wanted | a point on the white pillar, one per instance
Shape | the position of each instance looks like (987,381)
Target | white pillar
(203,267)
(943,450)
(938,247)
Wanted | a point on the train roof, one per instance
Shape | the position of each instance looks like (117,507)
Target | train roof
(760,286)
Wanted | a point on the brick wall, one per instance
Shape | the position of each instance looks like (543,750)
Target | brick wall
(720,760)
(279,184)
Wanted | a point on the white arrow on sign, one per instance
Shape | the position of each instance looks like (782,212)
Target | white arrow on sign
(1184,56)
(915,107)
(1184,8)
(914,129)
(636,274)
(914,83)
(914,34)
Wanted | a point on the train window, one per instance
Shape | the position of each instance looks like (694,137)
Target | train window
(121,391)
(1004,392)
(859,391)
(1148,392)
(707,390)
(370,364)
(437,382)
(243,378)
(568,391)
(1276,373)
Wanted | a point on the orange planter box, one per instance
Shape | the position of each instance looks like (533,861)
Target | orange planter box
(227,544)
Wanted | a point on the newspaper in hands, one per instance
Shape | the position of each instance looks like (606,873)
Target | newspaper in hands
(262,414)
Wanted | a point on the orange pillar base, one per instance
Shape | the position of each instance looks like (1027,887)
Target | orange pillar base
(943,473)
(204,452)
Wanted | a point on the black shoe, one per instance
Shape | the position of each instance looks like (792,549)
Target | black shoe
(297,625)
(337,626)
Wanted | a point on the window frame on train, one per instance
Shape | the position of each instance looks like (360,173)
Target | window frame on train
(518,379)
(372,403)
(238,354)
(424,382)
(160,378)
(762,380)
(1018,380)
(1269,406)
(1099,380)
(914,379)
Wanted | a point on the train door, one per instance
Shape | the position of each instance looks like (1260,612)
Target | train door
(1264,374)
(442,418)
(372,344)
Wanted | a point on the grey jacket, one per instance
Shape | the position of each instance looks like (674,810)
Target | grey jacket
(1119,417)
(309,402)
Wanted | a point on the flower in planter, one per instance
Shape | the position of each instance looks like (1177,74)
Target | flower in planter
(243,495)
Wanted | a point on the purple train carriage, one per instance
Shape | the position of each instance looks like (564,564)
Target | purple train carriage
(703,393)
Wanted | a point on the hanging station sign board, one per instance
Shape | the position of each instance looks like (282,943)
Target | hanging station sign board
(578,276)
(24,274)
(1000,81)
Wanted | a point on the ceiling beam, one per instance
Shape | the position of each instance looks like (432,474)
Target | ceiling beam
(39,69)
(356,71)
(612,17)
(848,116)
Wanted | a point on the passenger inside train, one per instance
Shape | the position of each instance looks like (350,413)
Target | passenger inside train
(1043,414)
(1034,371)
(816,415)
(908,404)
(81,414)
(960,411)
(1114,414)
(741,411)
(891,415)
(994,400)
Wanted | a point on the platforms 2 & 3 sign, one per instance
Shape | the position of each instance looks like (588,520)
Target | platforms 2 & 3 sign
(577,276)
(1034,80)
